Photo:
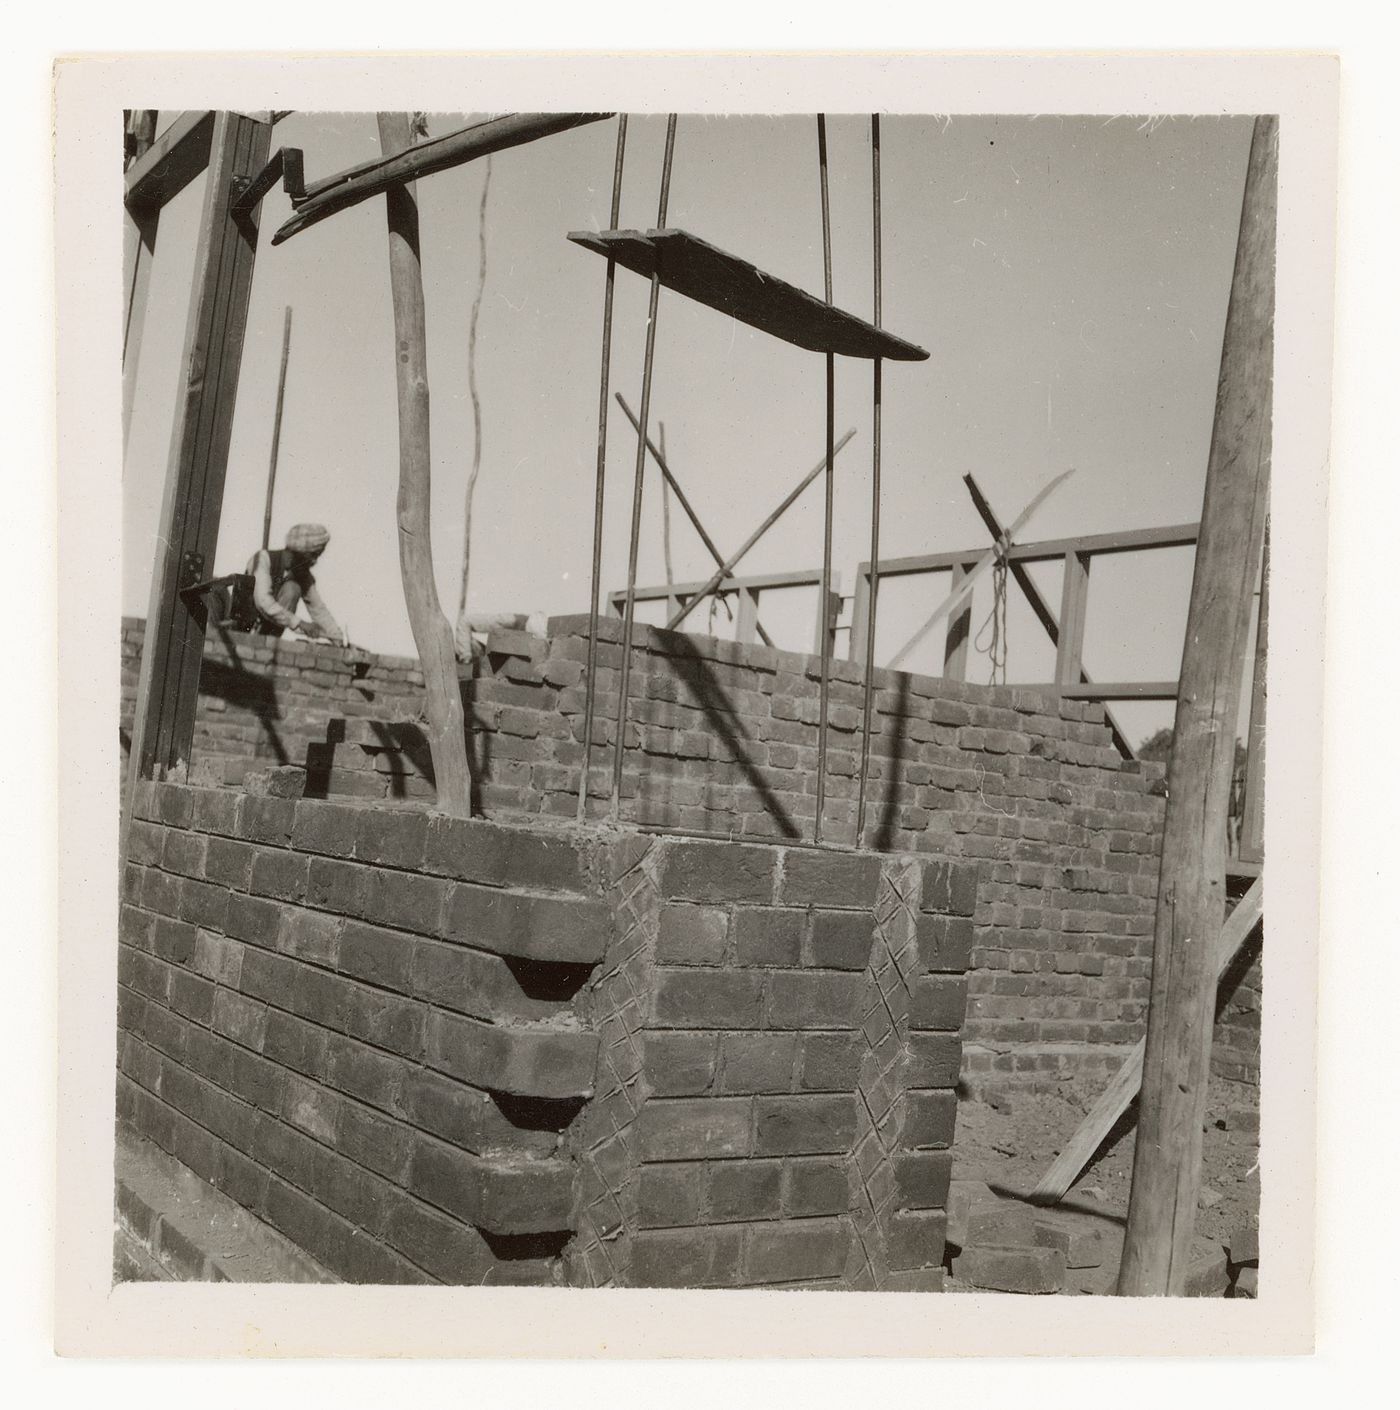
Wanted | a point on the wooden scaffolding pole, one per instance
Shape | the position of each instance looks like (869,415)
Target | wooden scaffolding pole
(192,502)
(1191,893)
(432,632)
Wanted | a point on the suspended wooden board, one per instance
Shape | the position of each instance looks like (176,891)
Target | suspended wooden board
(732,285)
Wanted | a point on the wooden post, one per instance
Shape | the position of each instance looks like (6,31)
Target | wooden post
(1252,825)
(277,426)
(959,630)
(1191,893)
(192,503)
(157,170)
(746,629)
(1074,605)
(432,632)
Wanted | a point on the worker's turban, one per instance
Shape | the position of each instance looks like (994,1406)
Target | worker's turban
(307,538)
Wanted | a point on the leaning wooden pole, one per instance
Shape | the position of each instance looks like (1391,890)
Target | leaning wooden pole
(432,632)
(277,426)
(1191,893)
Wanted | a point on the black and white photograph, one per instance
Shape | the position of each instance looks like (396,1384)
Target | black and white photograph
(692,701)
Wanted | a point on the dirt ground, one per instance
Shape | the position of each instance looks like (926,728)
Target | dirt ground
(1009,1143)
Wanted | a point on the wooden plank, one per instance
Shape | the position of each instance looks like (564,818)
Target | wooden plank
(140,228)
(1118,1095)
(1112,690)
(758,582)
(983,565)
(432,633)
(1252,824)
(1074,607)
(1191,897)
(193,496)
(959,631)
(719,280)
(171,162)
(359,183)
(1048,550)
(745,629)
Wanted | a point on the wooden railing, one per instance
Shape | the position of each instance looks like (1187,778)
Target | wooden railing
(748,591)
(1066,631)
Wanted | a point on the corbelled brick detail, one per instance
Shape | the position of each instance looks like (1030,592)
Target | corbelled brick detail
(318,1024)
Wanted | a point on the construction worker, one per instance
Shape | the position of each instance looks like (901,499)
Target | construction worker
(282,580)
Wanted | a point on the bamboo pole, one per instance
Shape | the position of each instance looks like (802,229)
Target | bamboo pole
(1191,893)
(277,426)
(432,632)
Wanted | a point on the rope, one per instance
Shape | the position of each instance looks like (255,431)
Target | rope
(995,648)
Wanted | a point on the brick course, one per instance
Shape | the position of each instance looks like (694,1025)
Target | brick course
(1056,941)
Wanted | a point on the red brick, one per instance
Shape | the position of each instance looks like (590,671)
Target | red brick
(241,1019)
(939,1002)
(707,1128)
(692,998)
(950,887)
(929,1118)
(228,863)
(757,1062)
(474,850)
(804,1125)
(465,1117)
(360,1071)
(450,1250)
(537,927)
(841,939)
(945,943)
(183,853)
(533,1062)
(310,935)
(717,872)
(686,1258)
(279,874)
(916,1239)
(267,820)
(383,957)
(744,1189)
(404,900)
(680,1064)
(1024,1270)
(392,837)
(253,919)
(815,1187)
(815,1000)
(831,1061)
(518,1197)
(670,1195)
(383,1019)
(814,878)
(337,886)
(767,937)
(691,935)
(796,1250)
(325,827)
(312,1109)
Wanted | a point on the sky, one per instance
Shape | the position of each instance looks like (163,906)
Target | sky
(1069,277)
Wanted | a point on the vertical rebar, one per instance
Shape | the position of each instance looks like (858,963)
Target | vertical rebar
(633,543)
(824,608)
(874,494)
(590,690)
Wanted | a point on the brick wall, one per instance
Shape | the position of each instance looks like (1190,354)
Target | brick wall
(429,1049)
(722,737)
